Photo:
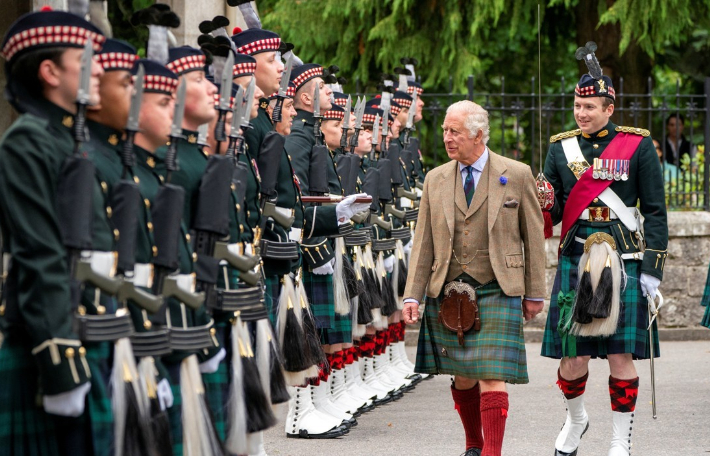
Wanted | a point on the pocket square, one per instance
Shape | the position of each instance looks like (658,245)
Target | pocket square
(511,203)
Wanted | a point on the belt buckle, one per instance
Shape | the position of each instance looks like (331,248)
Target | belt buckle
(599,214)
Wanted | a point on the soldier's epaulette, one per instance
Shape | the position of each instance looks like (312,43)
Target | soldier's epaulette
(565,135)
(636,131)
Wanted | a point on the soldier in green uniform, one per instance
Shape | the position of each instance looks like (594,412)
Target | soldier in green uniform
(105,123)
(317,251)
(41,357)
(603,176)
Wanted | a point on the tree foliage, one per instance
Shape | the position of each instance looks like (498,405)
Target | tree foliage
(453,39)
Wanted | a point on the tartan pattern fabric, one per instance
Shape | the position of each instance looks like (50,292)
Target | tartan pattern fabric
(99,357)
(116,60)
(175,412)
(271,297)
(56,35)
(319,289)
(496,352)
(631,335)
(623,394)
(25,429)
(341,332)
(572,388)
(215,386)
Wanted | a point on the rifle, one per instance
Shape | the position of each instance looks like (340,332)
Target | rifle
(166,212)
(225,96)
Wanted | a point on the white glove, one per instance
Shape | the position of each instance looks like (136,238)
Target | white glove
(326,269)
(348,207)
(389,263)
(211,365)
(70,403)
(408,247)
(165,394)
(649,285)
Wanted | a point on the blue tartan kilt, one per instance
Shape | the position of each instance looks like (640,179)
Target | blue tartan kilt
(496,352)
(25,428)
(319,289)
(99,356)
(341,332)
(631,335)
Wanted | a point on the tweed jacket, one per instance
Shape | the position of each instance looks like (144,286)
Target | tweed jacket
(515,230)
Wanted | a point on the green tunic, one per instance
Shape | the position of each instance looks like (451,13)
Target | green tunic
(643,188)
(37,309)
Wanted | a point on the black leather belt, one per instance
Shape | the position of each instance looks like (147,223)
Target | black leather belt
(233,300)
(287,250)
(379,245)
(151,343)
(411,215)
(358,238)
(253,312)
(194,338)
(99,328)
(400,233)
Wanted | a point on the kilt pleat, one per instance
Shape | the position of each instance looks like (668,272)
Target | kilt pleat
(319,289)
(271,297)
(631,335)
(175,412)
(341,332)
(99,356)
(25,429)
(217,385)
(496,352)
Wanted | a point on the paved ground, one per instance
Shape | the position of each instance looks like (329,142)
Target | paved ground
(424,422)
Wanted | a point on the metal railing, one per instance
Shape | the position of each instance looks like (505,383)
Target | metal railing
(514,119)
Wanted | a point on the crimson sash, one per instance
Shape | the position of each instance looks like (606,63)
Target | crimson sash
(622,147)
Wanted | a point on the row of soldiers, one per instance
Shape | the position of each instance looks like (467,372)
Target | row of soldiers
(193,237)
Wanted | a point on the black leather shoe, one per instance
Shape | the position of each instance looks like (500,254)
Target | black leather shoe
(472,452)
(332,434)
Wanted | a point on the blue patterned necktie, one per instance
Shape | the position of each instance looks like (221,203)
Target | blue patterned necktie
(468,187)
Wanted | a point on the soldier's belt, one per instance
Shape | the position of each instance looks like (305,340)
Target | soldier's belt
(598,214)
(234,300)
(358,238)
(253,312)
(279,250)
(152,343)
(380,245)
(100,328)
(411,215)
(194,338)
(401,233)
(344,230)
(143,275)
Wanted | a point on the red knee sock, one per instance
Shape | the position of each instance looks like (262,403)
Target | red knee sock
(494,411)
(623,394)
(468,404)
(572,388)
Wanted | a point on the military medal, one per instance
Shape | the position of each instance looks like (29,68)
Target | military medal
(602,172)
(617,170)
(610,167)
(595,172)
(625,173)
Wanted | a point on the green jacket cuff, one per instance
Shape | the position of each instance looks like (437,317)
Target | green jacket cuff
(62,365)
(653,262)
(316,252)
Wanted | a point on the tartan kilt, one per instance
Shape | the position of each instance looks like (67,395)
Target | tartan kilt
(631,335)
(99,356)
(319,289)
(705,301)
(25,429)
(342,330)
(217,384)
(271,297)
(496,352)
(175,412)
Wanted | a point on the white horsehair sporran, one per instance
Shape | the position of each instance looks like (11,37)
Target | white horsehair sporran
(598,299)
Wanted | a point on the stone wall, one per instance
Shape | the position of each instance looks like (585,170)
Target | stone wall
(684,274)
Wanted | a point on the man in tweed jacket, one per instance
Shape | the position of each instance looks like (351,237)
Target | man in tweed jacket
(479,223)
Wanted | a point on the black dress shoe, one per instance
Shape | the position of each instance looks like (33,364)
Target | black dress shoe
(472,452)
(574,453)
(331,434)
